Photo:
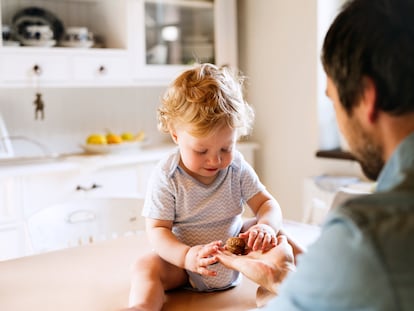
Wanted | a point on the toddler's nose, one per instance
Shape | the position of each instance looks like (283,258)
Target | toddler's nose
(214,159)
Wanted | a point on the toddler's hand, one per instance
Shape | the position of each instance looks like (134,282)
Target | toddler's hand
(260,237)
(199,257)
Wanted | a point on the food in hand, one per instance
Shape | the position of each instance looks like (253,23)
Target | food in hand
(96,139)
(112,138)
(235,245)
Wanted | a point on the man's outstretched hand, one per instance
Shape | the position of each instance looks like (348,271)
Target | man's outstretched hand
(267,269)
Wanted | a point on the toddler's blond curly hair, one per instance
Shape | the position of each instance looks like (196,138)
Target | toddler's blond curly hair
(206,97)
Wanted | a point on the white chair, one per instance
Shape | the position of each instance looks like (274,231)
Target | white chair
(84,221)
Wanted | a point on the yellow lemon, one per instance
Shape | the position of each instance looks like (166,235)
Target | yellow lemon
(96,139)
(127,136)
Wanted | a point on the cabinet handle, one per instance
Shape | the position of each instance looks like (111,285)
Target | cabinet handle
(37,70)
(81,188)
(81,216)
(102,70)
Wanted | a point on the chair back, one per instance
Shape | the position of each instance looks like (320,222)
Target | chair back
(84,221)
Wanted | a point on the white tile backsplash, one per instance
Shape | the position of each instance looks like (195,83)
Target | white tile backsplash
(72,114)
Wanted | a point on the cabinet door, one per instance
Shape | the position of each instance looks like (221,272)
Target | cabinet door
(43,190)
(12,234)
(175,34)
(11,243)
(10,204)
(120,180)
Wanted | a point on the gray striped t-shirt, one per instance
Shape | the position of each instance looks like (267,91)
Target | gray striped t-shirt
(201,213)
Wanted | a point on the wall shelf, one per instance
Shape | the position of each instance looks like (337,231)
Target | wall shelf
(335,154)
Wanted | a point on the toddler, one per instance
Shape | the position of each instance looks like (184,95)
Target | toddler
(197,194)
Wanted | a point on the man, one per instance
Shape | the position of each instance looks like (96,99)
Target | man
(364,258)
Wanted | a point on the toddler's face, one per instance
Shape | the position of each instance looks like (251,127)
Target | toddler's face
(204,157)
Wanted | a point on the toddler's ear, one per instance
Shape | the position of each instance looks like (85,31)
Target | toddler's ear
(174,136)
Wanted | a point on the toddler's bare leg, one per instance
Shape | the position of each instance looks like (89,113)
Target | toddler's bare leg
(151,276)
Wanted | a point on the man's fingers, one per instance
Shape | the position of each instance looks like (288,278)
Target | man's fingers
(281,239)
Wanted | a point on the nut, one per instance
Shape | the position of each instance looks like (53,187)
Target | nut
(236,245)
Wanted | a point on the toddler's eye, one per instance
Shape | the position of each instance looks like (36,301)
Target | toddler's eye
(201,151)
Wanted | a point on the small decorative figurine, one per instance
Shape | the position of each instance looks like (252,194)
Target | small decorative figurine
(39,110)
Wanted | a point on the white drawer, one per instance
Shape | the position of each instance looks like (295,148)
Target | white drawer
(104,68)
(26,68)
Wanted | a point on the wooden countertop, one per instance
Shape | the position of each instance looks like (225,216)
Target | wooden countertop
(96,277)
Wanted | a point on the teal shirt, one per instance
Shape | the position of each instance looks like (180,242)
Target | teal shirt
(364,258)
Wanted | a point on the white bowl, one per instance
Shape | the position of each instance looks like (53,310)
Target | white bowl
(77,44)
(39,43)
(112,148)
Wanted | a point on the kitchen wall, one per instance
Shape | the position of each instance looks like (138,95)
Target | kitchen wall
(72,114)
(279,52)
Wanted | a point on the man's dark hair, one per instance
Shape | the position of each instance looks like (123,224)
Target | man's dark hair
(375,39)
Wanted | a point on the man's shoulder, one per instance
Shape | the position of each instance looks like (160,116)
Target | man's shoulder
(379,203)
(380,214)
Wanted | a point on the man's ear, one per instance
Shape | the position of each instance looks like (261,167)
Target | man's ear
(369,99)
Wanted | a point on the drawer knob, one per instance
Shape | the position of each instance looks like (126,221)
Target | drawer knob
(102,70)
(37,70)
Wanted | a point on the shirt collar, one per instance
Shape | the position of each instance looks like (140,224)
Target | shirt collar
(398,166)
(174,164)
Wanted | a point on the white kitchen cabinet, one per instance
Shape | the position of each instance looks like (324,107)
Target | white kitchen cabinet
(9,196)
(23,196)
(11,229)
(26,190)
(117,180)
(66,66)
(29,189)
(11,241)
(144,42)
(31,67)
(174,34)
(104,18)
